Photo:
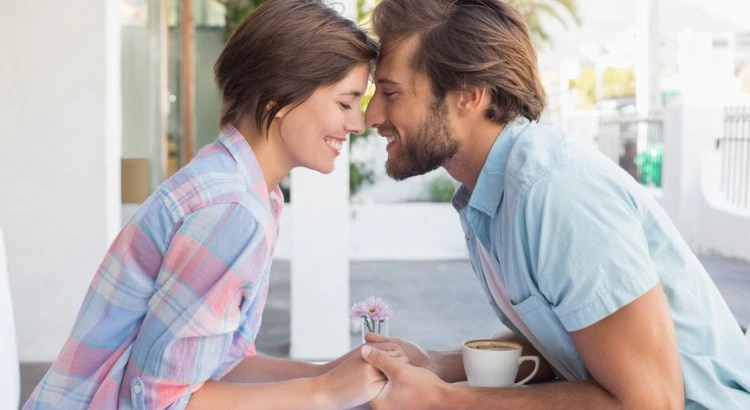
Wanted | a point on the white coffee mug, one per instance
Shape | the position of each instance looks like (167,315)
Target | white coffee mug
(494,363)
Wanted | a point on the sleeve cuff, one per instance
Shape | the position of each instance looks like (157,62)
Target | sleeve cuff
(608,302)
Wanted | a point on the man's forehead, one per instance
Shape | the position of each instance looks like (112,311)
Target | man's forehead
(396,59)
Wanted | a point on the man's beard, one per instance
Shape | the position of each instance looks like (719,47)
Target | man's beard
(425,150)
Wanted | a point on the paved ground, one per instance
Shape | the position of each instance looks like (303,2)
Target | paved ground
(437,304)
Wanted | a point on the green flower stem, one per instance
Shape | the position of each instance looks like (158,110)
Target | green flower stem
(372,325)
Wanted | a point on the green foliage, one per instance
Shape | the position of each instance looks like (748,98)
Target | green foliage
(586,86)
(441,189)
(236,11)
(285,185)
(614,83)
(360,172)
(535,12)
(618,82)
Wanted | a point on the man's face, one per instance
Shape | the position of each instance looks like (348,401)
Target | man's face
(404,110)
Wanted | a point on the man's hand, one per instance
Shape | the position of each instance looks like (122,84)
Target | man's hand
(391,348)
(407,386)
(417,356)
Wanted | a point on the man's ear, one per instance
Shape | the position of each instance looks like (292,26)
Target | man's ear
(470,101)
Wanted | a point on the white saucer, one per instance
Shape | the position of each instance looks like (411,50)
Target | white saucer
(466,383)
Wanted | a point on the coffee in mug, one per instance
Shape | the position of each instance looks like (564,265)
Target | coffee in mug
(494,363)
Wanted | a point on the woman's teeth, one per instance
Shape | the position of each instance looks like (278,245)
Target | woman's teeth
(336,144)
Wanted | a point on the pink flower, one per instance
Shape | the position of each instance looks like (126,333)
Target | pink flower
(372,308)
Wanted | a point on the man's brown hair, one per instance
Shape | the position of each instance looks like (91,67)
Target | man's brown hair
(283,52)
(468,43)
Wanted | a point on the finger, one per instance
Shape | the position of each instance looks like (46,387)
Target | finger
(404,359)
(394,353)
(385,346)
(376,338)
(399,355)
(380,360)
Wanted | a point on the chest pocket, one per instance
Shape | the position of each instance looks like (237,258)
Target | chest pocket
(538,316)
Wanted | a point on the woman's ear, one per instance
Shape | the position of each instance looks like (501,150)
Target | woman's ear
(282,112)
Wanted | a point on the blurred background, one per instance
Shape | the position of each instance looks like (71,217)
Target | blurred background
(101,101)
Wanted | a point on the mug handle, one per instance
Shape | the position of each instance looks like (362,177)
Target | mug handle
(534,359)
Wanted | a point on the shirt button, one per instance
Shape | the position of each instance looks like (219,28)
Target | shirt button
(467,239)
(137,389)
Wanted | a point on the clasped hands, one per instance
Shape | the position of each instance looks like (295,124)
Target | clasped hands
(394,374)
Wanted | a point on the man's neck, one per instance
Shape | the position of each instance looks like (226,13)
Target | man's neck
(476,144)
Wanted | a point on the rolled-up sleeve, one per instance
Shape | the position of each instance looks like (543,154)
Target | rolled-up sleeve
(210,283)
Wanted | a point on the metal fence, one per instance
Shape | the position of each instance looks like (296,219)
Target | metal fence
(734,147)
(636,143)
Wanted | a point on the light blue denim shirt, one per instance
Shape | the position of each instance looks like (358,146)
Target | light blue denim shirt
(575,238)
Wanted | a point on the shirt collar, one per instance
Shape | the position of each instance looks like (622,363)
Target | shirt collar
(242,153)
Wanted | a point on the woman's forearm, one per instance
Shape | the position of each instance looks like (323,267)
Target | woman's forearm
(224,395)
(349,384)
(264,369)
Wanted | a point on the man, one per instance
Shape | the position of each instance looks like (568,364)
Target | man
(578,260)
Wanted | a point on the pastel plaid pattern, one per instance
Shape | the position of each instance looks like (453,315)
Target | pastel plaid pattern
(179,296)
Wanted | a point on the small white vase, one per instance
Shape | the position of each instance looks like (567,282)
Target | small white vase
(374,326)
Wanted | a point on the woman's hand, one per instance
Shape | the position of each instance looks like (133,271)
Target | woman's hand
(447,365)
(349,384)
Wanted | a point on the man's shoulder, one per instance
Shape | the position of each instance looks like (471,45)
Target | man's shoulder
(542,150)
(537,151)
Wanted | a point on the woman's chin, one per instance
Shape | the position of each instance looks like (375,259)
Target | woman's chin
(327,168)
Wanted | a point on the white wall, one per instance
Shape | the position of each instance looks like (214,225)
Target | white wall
(144,103)
(692,195)
(59,158)
(392,231)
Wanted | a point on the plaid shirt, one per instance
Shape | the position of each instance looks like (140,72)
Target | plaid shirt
(179,296)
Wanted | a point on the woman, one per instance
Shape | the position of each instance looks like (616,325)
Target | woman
(171,316)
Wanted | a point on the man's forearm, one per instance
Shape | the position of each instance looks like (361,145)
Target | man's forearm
(556,395)
(447,365)
(264,369)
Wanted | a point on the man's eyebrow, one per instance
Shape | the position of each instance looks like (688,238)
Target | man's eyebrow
(386,81)
(353,93)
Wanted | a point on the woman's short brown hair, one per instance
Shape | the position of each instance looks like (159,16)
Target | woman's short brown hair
(281,53)
(468,43)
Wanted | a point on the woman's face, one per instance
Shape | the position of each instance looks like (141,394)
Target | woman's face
(313,133)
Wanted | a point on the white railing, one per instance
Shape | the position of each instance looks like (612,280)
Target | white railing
(734,147)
